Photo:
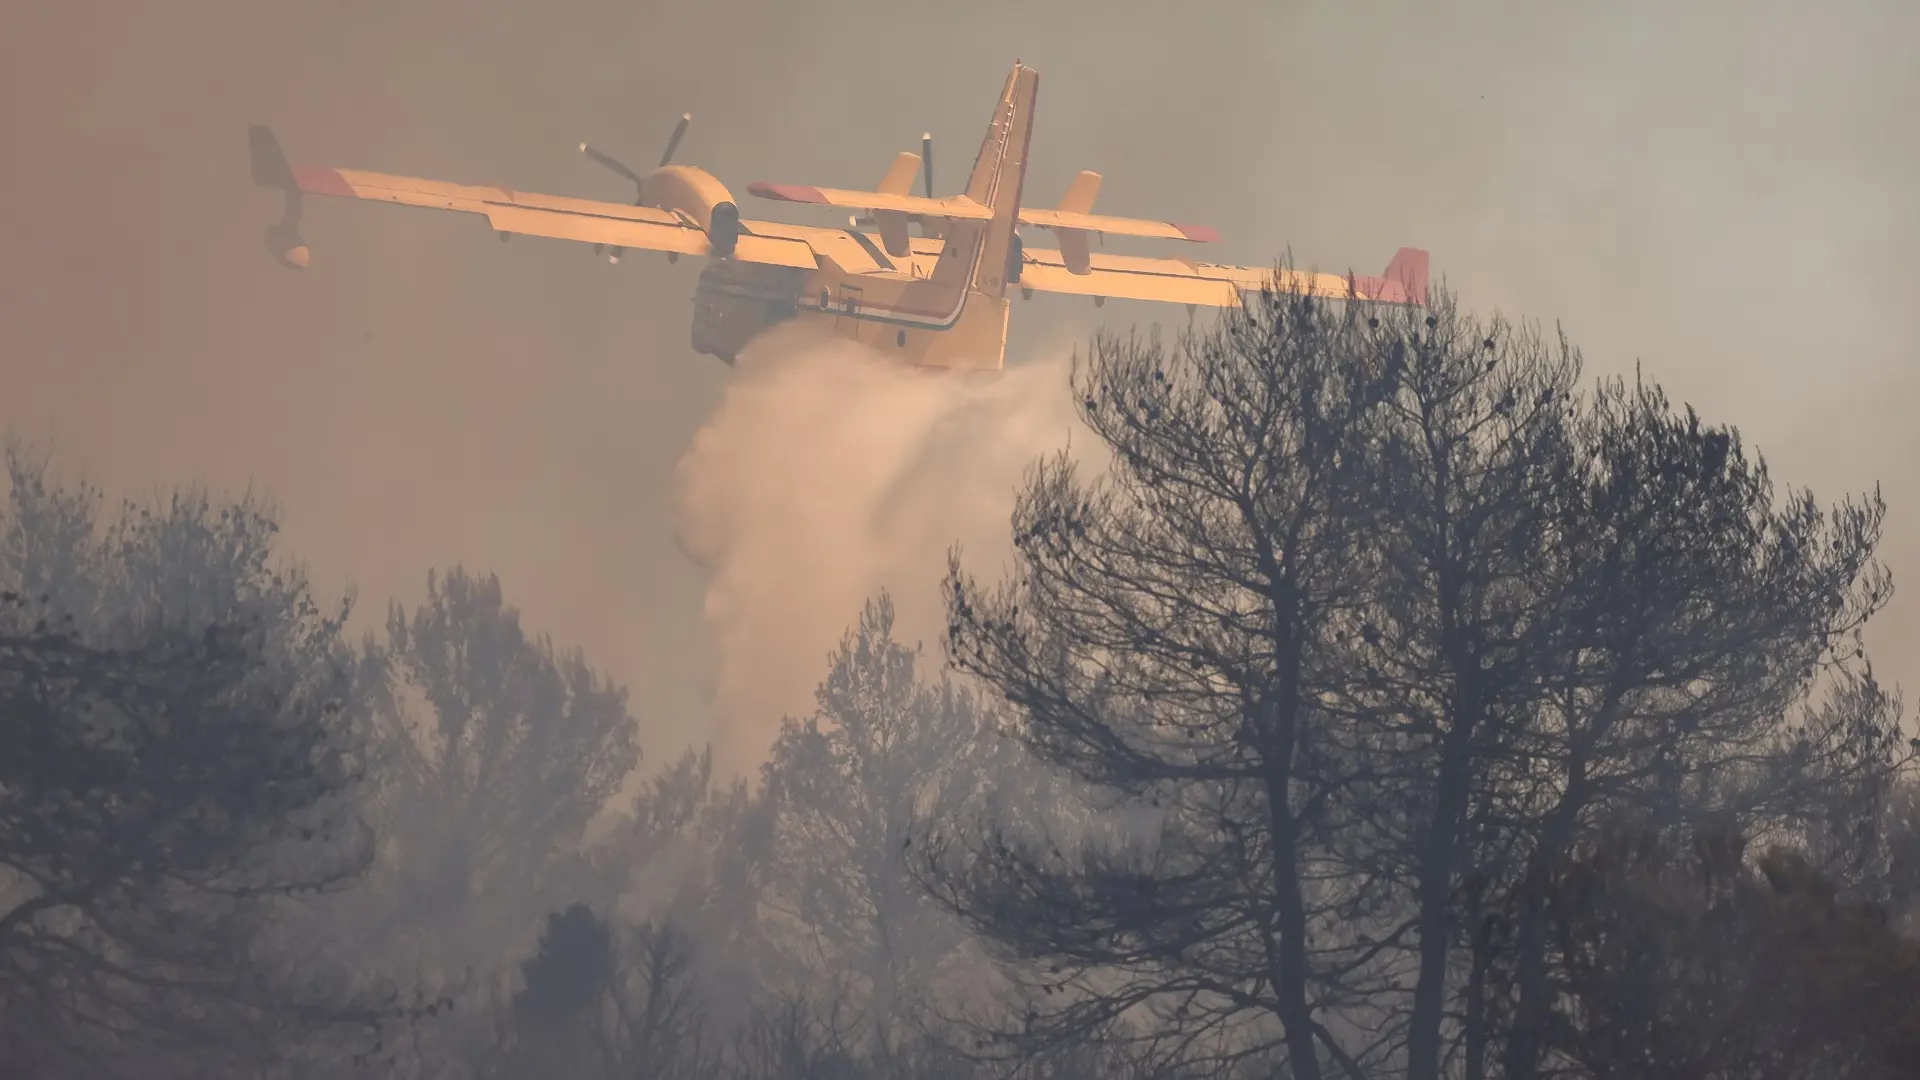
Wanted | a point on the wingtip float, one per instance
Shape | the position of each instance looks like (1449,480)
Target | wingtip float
(937,299)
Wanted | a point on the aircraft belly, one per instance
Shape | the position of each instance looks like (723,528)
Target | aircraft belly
(736,301)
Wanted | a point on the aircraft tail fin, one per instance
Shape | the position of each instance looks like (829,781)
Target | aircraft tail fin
(899,176)
(898,181)
(985,255)
(1403,282)
(1081,193)
(1073,224)
(1002,156)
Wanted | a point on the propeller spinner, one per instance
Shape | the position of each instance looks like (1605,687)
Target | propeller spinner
(613,164)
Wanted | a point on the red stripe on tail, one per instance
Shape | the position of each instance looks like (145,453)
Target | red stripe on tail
(1405,280)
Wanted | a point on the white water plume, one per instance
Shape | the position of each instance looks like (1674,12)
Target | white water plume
(829,471)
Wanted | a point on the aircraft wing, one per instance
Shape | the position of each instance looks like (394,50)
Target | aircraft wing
(1179,281)
(958,207)
(560,217)
(1117,226)
(526,213)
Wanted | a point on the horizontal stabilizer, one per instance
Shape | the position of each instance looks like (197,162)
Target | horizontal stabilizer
(956,207)
(1128,277)
(1178,281)
(1116,226)
(1121,277)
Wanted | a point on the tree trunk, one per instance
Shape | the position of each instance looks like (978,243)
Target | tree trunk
(1475,1065)
(1531,1009)
(1290,982)
(1279,735)
(1435,894)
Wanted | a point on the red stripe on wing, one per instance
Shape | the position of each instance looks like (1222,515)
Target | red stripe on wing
(321,180)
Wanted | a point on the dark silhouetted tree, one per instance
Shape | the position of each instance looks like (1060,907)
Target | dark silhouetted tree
(601,1001)
(1685,958)
(498,752)
(559,1018)
(1468,462)
(1370,618)
(182,751)
(569,973)
(1687,612)
(1172,636)
(886,752)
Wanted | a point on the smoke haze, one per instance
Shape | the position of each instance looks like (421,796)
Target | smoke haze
(1722,191)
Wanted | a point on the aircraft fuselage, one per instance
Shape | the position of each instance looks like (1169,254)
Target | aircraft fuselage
(902,313)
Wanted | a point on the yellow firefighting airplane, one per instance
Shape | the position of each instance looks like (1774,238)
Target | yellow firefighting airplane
(936,300)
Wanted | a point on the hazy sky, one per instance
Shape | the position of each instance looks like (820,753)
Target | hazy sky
(1723,191)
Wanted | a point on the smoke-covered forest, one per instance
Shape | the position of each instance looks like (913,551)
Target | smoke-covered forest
(1393,700)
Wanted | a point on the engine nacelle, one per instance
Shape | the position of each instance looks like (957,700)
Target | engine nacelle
(696,193)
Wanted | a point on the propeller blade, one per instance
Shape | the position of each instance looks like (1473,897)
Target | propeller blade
(610,163)
(674,142)
(926,161)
